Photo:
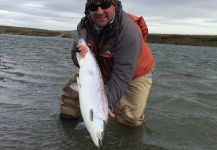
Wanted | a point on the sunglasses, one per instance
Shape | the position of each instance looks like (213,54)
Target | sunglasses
(103,5)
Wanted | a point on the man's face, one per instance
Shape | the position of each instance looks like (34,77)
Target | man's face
(102,13)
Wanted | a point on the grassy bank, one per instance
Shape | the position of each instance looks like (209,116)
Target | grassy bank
(34,32)
(195,40)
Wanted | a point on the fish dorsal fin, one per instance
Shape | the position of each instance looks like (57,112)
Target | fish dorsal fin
(91,114)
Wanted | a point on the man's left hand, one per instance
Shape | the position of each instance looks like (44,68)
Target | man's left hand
(111,114)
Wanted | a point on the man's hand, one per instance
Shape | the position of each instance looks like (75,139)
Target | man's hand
(82,49)
(111,114)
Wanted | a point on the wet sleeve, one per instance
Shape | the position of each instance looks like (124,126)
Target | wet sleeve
(73,54)
(124,64)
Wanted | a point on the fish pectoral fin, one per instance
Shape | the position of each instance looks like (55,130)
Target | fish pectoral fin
(80,126)
(74,86)
(91,114)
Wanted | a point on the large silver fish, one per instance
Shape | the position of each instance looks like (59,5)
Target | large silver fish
(92,97)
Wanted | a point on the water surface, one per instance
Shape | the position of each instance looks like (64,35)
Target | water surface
(181,113)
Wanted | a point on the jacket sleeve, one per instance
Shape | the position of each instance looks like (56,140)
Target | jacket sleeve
(80,31)
(128,47)
(73,54)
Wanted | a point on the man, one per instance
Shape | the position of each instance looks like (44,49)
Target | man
(118,42)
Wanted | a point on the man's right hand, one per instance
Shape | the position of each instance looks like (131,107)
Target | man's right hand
(81,49)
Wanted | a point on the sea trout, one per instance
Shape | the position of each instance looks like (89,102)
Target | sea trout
(92,96)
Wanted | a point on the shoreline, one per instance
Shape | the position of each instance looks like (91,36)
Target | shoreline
(194,40)
(34,32)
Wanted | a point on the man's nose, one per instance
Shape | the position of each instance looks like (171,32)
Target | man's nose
(99,10)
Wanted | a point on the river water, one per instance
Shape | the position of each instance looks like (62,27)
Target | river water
(181,113)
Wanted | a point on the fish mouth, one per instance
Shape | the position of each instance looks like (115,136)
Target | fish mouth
(100,142)
(100,138)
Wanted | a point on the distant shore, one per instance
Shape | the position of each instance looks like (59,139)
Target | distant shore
(34,32)
(194,40)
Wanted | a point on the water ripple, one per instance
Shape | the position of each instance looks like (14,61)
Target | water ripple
(180,114)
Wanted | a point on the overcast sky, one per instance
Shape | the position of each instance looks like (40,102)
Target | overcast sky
(162,16)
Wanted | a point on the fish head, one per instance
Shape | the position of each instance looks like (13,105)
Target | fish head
(97,139)
(98,134)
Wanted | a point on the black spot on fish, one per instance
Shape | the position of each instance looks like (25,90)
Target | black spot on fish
(91,114)
(90,72)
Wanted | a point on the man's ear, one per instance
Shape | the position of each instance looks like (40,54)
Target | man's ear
(86,11)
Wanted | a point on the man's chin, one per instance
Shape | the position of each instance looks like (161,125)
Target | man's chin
(102,24)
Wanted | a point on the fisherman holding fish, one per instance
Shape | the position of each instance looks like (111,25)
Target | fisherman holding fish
(118,42)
